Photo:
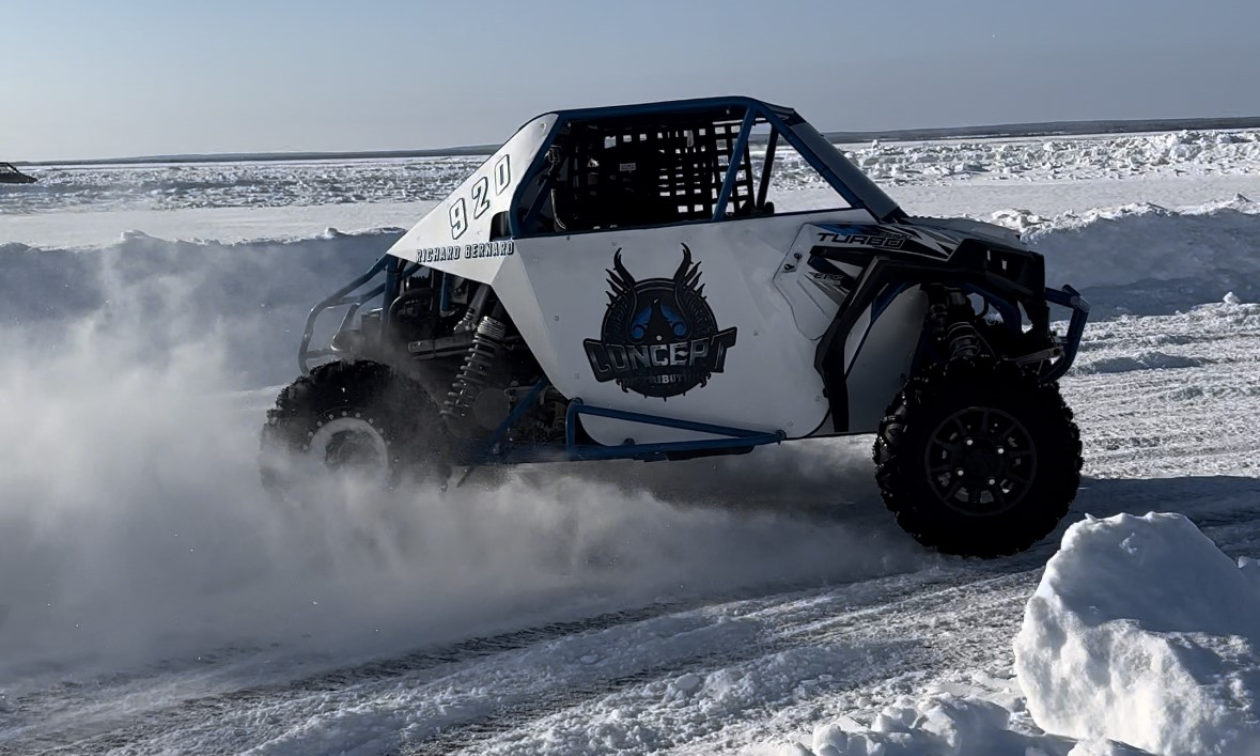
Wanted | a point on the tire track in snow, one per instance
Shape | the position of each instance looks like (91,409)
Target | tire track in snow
(128,730)
(115,735)
(992,606)
(522,714)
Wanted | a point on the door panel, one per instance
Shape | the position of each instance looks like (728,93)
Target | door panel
(681,321)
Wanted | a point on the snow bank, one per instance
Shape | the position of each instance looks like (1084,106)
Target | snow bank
(1145,259)
(945,725)
(1187,258)
(1142,638)
(1142,631)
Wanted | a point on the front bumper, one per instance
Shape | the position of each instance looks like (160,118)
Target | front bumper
(1070,343)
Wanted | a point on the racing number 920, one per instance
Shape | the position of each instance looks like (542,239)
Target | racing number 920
(480,197)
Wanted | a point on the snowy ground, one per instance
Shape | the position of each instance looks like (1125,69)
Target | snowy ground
(151,600)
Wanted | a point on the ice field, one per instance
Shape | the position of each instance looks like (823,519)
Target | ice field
(154,600)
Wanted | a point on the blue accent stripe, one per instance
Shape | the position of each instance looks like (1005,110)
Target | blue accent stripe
(733,438)
(494,451)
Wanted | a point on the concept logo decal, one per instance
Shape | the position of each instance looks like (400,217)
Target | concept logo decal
(659,336)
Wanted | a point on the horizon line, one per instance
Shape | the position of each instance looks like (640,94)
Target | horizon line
(992,131)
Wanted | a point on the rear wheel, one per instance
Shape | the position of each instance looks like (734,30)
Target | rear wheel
(358,420)
(976,458)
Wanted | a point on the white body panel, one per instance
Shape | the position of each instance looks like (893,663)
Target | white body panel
(815,297)
(453,236)
(557,291)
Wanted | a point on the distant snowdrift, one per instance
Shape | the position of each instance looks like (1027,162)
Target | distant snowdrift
(1168,154)
(245,184)
(1143,631)
(161,186)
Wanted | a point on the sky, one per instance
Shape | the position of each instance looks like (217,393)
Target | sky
(91,79)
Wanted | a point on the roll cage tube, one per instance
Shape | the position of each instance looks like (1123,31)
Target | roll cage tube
(843,177)
(767,168)
(394,269)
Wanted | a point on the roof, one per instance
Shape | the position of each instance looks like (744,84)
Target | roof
(699,105)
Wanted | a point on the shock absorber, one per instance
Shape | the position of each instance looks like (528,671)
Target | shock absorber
(964,341)
(475,375)
(938,319)
(949,317)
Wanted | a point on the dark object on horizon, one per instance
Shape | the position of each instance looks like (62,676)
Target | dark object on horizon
(11,175)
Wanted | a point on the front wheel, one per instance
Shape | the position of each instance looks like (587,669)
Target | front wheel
(351,419)
(978,459)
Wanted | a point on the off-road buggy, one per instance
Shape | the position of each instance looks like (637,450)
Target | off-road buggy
(618,283)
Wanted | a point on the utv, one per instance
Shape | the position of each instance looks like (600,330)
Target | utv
(11,175)
(618,283)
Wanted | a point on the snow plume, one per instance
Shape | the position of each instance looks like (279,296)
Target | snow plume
(134,528)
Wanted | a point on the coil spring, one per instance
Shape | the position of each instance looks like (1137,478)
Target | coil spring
(960,336)
(483,353)
(964,341)
(938,316)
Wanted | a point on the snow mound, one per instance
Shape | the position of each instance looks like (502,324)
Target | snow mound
(1146,259)
(1143,632)
(1154,360)
(945,724)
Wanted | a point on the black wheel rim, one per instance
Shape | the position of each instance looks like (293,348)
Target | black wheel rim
(346,442)
(352,450)
(981,461)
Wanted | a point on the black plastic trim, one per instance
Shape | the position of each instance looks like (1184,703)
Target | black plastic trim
(971,264)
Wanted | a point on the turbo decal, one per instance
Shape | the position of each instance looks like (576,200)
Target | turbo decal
(915,241)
